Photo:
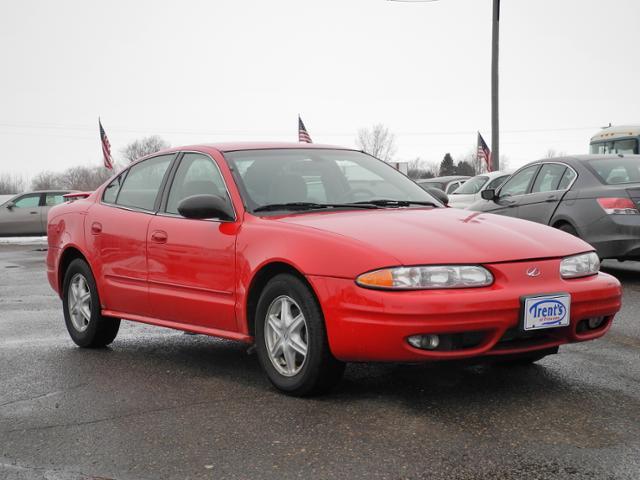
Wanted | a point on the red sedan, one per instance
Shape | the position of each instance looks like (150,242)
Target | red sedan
(319,256)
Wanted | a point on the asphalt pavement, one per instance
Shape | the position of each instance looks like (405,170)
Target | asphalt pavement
(159,404)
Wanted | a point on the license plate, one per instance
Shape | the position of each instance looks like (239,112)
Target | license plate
(546,311)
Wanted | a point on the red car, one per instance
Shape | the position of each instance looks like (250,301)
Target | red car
(318,256)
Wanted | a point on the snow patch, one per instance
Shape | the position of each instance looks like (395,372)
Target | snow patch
(23,240)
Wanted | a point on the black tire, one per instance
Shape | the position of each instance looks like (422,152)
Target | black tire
(99,330)
(565,227)
(319,371)
(524,359)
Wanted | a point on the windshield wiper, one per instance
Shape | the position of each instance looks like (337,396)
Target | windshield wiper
(310,206)
(383,202)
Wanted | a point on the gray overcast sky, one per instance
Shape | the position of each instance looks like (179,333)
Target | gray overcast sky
(228,69)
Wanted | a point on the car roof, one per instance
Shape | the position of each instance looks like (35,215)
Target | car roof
(580,159)
(237,146)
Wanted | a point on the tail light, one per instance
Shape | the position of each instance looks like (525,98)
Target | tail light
(618,206)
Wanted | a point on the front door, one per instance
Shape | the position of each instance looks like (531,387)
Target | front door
(23,217)
(511,194)
(547,192)
(192,262)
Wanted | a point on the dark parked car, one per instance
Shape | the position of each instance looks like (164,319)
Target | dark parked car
(594,197)
(26,213)
(447,184)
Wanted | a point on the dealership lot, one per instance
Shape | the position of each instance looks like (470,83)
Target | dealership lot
(161,404)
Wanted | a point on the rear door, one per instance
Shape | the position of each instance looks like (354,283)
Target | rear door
(192,262)
(116,231)
(23,218)
(548,190)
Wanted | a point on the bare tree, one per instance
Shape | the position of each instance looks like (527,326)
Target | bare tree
(551,153)
(418,169)
(85,178)
(11,184)
(377,141)
(74,178)
(47,181)
(144,146)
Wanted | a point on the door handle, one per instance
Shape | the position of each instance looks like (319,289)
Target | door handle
(159,236)
(96,228)
(33,213)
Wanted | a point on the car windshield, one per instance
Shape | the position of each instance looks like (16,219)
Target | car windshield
(306,178)
(471,186)
(613,171)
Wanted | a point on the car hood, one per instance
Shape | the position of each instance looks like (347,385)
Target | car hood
(444,235)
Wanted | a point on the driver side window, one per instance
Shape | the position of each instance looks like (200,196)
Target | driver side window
(28,201)
(196,175)
(519,183)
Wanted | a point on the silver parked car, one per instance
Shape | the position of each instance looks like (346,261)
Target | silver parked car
(26,213)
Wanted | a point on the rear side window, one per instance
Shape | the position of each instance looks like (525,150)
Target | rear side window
(549,178)
(568,177)
(52,199)
(111,192)
(142,183)
(196,175)
(614,171)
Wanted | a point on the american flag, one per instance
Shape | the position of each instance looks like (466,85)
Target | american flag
(303,135)
(106,148)
(483,152)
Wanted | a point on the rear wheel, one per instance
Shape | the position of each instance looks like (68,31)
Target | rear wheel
(82,311)
(291,339)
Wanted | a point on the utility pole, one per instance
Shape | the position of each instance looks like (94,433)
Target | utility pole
(495,123)
(495,41)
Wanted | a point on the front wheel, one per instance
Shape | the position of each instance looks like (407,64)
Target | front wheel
(291,339)
(82,311)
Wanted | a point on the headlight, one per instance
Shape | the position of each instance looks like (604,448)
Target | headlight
(580,265)
(427,277)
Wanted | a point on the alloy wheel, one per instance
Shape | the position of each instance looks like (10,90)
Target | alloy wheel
(79,302)
(286,336)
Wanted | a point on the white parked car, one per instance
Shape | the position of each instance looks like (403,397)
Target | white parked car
(469,192)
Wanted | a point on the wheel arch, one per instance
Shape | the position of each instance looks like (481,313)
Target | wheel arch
(262,276)
(559,221)
(69,254)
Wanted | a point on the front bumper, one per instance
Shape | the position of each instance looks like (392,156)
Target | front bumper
(373,325)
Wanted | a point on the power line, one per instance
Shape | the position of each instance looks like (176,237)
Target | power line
(170,131)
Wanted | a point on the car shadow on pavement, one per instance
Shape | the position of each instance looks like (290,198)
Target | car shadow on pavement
(175,358)
(185,371)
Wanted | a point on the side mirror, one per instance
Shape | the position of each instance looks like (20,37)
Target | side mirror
(10,205)
(205,206)
(489,194)
(439,194)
